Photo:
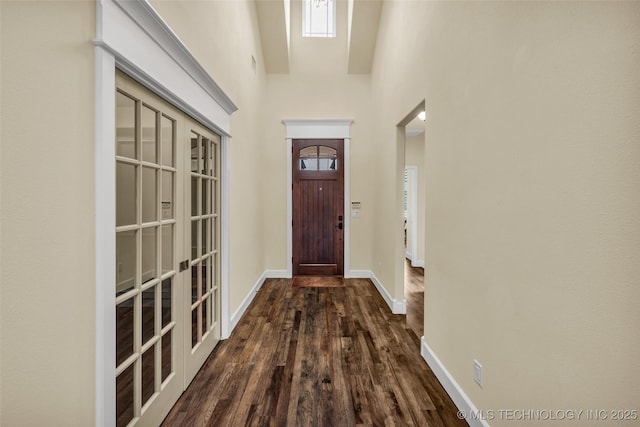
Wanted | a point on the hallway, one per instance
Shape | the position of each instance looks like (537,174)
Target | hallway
(318,356)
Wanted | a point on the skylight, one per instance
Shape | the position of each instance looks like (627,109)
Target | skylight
(319,18)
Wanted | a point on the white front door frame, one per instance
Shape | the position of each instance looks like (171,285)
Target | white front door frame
(319,129)
(133,37)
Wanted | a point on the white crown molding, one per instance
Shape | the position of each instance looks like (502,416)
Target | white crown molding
(160,61)
(152,23)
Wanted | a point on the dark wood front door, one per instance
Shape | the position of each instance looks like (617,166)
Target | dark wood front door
(318,207)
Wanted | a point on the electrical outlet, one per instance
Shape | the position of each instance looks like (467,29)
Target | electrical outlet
(477,372)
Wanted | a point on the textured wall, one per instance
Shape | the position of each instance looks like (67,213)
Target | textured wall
(47,293)
(532,184)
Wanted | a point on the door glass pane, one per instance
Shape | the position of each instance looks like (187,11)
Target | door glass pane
(125,261)
(213,281)
(167,248)
(167,141)
(194,196)
(214,197)
(194,239)
(125,194)
(203,154)
(125,126)
(149,204)
(148,314)
(212,159)
(149,254)
(214,307)
(204,197)
(167,195)
(194,327)
(166,354)
(195,159)
(203,240)
(195,271)
(309,158)
(328,158)
(148,123)
(166,301)
(124,397)
(148,373)
(205,311)
(214,234)
(205,274)
(124,331)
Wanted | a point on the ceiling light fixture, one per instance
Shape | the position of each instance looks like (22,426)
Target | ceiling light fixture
(422,115)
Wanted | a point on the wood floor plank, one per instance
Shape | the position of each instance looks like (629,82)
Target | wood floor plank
(319,356)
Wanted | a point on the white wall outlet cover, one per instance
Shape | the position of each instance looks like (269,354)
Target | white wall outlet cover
(477,372)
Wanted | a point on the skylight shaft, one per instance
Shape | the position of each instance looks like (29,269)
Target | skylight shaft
(319,18)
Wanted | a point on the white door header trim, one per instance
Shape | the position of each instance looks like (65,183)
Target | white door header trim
(147,49)
(318,128)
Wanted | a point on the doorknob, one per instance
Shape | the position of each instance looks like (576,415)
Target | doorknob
(184,265)
(339,226)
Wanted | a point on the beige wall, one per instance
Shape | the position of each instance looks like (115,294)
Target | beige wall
(317,87)
(532,183)
(47,278)
(223,35)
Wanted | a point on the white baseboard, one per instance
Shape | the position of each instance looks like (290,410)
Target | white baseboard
(245,304)
(277,274)
(418,263)
(396,306)
(454,390)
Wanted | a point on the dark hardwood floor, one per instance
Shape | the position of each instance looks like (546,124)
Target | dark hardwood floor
(314,356)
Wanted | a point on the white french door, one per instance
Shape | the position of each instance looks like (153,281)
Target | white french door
(167,321)
(202,246)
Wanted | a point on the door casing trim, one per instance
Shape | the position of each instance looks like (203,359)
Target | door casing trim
(319,129)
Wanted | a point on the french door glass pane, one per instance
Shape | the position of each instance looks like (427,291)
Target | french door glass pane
(203,155)
(149,255)
(203,241)
(124,397)
(203,185)
(167,248)
(148,373)
(194,327)
(194,196)
(149,200)
(124,331)
(194,239)
(205,311)
(148,123)
(148,314)
(125,126)
(195,272)
(195,158)
(167,195)
(167,141)
(125,194)
(166,301)
(125,261)
(166,355)
(212,159)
